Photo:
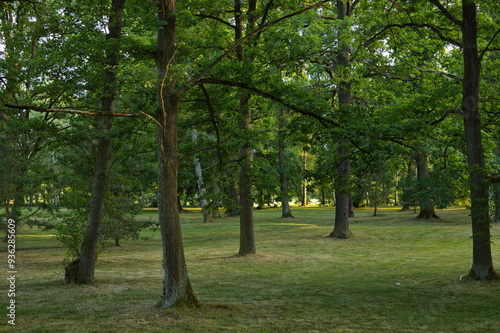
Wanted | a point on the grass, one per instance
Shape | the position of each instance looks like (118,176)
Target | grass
(396,274)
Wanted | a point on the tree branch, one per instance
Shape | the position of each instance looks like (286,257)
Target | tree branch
(216,19)
(446,13)
(327,123)
(486,49)
(435,29)
(237,43)
(89,113)
(425,70)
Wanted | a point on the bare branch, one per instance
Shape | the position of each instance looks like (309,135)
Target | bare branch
(89,113)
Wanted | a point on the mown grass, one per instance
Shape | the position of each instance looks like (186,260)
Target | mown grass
(396,274)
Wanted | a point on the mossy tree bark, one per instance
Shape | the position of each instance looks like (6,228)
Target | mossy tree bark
(177,290)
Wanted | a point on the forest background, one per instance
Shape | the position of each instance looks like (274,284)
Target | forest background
(108,107)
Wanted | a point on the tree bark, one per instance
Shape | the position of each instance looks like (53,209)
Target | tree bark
(406,196)
(426,207)
(496,201)
(303,187)
(247,238)
(482,262)
(177,290)
(88,252)
(285,203)
(342,197)
(207,217)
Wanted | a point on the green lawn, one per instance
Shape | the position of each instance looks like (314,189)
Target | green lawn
(396,274)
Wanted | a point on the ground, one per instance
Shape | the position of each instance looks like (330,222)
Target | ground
(397,274)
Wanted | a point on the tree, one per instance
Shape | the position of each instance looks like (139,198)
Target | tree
(177,290)
(342,195)
(285,203)
(426,205)
(482,264)
(88,253)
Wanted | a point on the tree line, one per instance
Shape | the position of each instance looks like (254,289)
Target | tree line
(109,106)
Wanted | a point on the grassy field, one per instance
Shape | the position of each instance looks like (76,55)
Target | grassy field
(396,274)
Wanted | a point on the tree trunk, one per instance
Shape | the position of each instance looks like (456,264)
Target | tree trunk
(207,217)
(406,196)
(303,189)
(496,201)
(177,290)
(482,262)
(88,252)
(247,238)
(247,241)
(342,197)
(351,207)
(426,206)
(216,192)
(285,204)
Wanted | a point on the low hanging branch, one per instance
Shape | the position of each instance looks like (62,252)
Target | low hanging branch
(327,123)
(88,113)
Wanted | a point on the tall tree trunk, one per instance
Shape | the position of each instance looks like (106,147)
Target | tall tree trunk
(207,217)
(285,203)
(426,206)
(342,197)
(247,238)
(482,262)
(88,253)
(177,290)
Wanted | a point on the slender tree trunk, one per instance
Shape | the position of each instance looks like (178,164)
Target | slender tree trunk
(207,217)
(482,262)
(216,192)
(406,196)
(177,290)
(342,197)
(88,253)
(426,206)
(247,240)
(285,204)
(303,189)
